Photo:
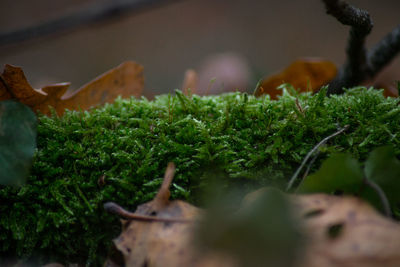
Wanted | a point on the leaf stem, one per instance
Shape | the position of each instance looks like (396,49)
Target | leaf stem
(382,196)
(116,209)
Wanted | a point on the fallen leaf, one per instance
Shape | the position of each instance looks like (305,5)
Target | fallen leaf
(383,168)
(386,80)
(125,80)
(159,235)
(343,231)
(346,231)
(377,182)
(17,142)
(262,232)
(4,94)
(304,74)
(339,231)
(388,90)
(190,82)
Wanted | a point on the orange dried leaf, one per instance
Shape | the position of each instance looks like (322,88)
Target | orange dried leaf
(125,80)
(4,94)
(389,91)
(389,88)
(304,74)
(18,88)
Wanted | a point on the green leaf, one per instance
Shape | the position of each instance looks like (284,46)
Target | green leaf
(339,173)
(383,168)
(17,142)
(261,233)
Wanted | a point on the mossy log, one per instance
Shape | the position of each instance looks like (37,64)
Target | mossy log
(119,152)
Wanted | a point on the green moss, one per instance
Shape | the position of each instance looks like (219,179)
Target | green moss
(58,214)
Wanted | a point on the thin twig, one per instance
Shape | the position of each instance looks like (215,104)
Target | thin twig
(294,177)
(94,13)
(382,196)
(310,164)
(116,209)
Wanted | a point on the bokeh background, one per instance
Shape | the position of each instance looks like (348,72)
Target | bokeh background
(235,42)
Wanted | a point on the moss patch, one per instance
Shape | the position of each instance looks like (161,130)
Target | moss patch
(119,153)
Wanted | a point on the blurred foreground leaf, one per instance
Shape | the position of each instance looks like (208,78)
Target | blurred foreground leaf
(378,182)
(383,168)
(261,233)
(267,229)
(17,142)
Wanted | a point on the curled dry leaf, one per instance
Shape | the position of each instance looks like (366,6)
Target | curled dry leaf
(125,80)
(340,231)
(346,231)
(387,80)
(304,74)
(190,82)
(159,232)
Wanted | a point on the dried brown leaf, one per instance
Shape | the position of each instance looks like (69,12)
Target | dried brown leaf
(125,80)
(190,82)
(160,242)
(340,231)
(346,231)
(304,74)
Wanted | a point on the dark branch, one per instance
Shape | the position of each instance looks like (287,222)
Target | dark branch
(384,51)
(355,68)
(360,64)
(349,15)
(89,15)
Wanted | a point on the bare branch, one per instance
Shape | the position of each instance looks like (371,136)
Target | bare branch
(94,13)
(384,51)
(310,164)
(355,68)
(360,64)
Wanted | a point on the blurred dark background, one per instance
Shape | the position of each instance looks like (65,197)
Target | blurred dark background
(236,41)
